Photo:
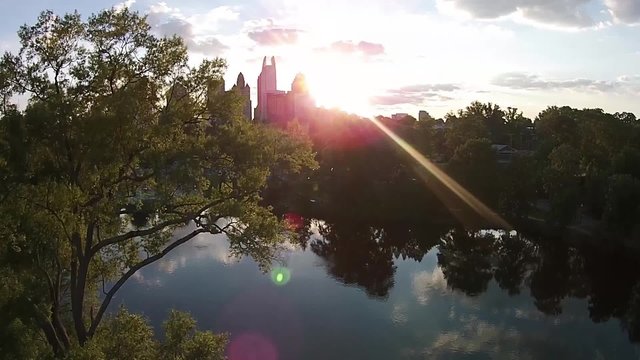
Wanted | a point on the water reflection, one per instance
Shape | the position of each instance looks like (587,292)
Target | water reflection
(411,292)
(363,255)
(426,283)
(550,270)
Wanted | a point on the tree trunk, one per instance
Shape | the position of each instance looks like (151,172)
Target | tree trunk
(79,269)
(59,328)
(77,301)
(52,338)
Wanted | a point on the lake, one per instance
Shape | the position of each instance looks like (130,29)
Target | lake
(353,291)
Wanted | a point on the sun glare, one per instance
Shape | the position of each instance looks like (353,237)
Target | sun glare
(337,83)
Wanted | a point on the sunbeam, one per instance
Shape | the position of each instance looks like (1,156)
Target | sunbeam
(461,193)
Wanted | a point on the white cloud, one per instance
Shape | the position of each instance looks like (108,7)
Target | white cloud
(478,338)
(526,81)
(140,279)
(426,284)
(197,31)
(124,5)
(416,94)
(624,11)
(399,314)
(274,36)
(572,14)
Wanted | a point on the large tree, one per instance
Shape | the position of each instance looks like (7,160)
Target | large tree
(121,143)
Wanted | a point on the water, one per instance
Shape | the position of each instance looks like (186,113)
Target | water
(360,293)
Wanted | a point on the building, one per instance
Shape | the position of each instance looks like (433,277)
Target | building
(399,116)
(244,90)
(423,115)
(280,107)
(267,84)
(176,94)
(504,153)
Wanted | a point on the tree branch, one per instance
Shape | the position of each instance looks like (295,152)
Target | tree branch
(133,270)
(132,234)
(153,229)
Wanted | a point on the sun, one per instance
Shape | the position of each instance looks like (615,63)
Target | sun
(336,83)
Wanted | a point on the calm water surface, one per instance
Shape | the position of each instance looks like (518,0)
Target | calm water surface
(468,297)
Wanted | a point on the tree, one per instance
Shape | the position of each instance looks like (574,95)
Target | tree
(622,212)
(517,187)
(129,336)
(465,260)
(474,166)
(561,179)
(120,128)
(493,117)
(557,126)
(518,129)
(462,128)
(627,161)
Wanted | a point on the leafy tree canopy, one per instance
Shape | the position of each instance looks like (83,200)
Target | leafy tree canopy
(121,143)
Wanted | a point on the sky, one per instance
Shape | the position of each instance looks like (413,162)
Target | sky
(375,57)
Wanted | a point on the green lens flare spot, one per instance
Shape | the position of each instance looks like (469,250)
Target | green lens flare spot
(280,276)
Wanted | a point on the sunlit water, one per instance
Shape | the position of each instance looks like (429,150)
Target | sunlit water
(316,316)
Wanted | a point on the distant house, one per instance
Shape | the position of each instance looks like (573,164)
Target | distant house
(439,125)
(504,153)
(399,116)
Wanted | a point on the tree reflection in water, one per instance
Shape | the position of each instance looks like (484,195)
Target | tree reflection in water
(364,255)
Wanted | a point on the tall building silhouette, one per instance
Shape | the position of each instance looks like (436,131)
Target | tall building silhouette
(267,84)
(282,107)
(244,90)
(279,107)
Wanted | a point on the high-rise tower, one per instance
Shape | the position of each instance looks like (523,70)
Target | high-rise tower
(267,84)
(245,91)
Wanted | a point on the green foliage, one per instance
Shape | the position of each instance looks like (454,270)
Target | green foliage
(183,342)
(557,126)
(627,161)
(19,341)
(561,182)
(474,166)
(622,210)
(464,127)
(121,144)
(517,187)
(129,336)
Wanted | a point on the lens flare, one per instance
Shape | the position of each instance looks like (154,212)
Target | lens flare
(280,276)
(460,192)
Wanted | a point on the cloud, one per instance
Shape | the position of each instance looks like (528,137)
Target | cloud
(363,47)
(168,21)
(525,81)
(562,13)
(427,284)
(415,94)
(399,314)
(629,79)
(624,11)
(275,36)
(124,5)
(428,88)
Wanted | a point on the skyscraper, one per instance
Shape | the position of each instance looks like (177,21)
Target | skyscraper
(267,84)
(245,91)
(280,107)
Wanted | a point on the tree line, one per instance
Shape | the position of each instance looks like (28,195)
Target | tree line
(568,167)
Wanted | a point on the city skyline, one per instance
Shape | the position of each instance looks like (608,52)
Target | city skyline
(378,57)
